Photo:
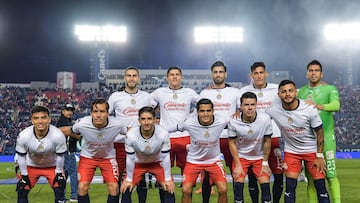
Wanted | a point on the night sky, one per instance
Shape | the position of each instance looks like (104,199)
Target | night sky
(37,37)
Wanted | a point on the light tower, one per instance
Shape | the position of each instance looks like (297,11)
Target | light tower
(347,34)
(100,36)
(218,37)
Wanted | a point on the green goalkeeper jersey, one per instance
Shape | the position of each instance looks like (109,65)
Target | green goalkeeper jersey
(328,96)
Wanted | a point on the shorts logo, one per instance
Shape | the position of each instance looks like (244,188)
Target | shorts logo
(330,155)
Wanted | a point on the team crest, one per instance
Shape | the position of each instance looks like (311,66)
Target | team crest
(100,136)
(148,148)
(250,132)
(290,120)
(260,94)
(133,101)
(207,134)
(218,96)
(175,96)
(40,148)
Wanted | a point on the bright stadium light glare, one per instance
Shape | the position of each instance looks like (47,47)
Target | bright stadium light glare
(107,33)
(342,31)
(222,34)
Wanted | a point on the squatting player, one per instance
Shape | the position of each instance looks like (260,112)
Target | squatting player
(40,151)
(148,151)
(226,100)
(301,130)
(204,151)
(266,95)
(99,131)
(250,143)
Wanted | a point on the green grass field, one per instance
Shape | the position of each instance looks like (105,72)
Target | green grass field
(347,172)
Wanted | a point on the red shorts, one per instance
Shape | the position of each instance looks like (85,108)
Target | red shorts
(224,148)
(293,163)
(108,167)
(120,156)
(256,166)
(154,168)
(275,158)
(178,151)
(34,174)
(216,172)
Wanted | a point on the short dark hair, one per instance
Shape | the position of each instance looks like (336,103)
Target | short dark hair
(131,68)
(314,62)
(38,108)
(204,101)
(218,63)
(99,101)
(257,64)
(248,95)
(286,82)
(147,109)
(173,68)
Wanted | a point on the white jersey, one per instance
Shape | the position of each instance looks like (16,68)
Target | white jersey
(147,150)
(99,142)
(127,106)
(297,126)
(41,152)
(250,136)
(204,140)
(226,101)
(175,107)
(265,98)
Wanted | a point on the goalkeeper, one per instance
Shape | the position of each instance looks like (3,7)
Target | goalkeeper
(40,149)
(325,98)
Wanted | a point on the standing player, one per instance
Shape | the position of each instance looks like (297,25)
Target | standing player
(325,98)
(40,151)
(148,150)
(266,95)
(70,167)
(250,143)
(175,105)
(301,129)
(98,131)
(126,104)
(226,101)
(204,151)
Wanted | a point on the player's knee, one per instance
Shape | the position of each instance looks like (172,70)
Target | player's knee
(187,189)
(221,188)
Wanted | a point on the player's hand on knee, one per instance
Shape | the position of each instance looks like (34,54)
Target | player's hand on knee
(169,186)
(23,182)
(126,185)
(60,180)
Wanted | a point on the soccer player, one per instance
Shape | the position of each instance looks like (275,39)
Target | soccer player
(226,102)
(70,167)
(204,151)
(325,98)
(148,150)
(266,95)
(126,104)
(40,151)
(303,135)
(250,143)
(175,104)
(98,131)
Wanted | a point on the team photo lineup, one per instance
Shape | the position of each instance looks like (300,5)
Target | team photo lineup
(264,134)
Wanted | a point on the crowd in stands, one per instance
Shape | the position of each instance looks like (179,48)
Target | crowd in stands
(16,102)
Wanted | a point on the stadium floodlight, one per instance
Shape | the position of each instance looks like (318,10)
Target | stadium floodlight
(342,31)
(222,34)
(107,33)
